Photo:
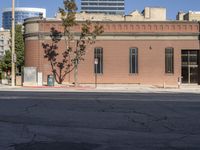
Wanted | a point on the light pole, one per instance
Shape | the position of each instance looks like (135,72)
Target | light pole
(13,43)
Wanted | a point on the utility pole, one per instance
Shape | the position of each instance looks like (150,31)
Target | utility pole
(13,43)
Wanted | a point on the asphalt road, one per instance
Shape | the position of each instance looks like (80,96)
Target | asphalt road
(99,121)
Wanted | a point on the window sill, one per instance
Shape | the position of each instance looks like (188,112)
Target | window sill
(98,74)
(133,74)
(169,74)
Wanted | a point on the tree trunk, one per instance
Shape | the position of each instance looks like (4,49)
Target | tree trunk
(76,73)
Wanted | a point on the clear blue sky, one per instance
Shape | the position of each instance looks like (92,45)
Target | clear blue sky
(173,6)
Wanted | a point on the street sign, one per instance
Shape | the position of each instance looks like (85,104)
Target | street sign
(96,61)
(14,58)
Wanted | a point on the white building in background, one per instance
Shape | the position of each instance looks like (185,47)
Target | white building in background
(148,14)
(4,41)
(189,16)
(21,13)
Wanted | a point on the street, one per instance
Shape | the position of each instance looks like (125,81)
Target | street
(99,121)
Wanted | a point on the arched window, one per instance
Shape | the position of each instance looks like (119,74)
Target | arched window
(98,58)
(169,60)
(133,60)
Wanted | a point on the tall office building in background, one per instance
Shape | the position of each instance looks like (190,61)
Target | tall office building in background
(21,13)
(103,6)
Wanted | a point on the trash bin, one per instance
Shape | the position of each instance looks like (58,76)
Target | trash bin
(50,80)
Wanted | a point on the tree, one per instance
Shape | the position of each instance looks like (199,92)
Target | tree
(71,56)
(19,50)
(6,62)
(19,47)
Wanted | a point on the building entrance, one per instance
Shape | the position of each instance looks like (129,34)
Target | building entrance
(190,67)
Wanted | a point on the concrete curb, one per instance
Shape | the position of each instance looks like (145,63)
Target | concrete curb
(134,89)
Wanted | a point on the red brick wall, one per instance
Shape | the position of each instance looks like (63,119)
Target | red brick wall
(116,54)
(127,27)
(116,61)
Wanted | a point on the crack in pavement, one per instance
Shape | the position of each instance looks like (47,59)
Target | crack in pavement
(28,108)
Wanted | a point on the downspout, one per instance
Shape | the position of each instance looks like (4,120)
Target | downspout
(40,52)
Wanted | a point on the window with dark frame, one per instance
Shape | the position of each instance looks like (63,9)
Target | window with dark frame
(169,60)
(133,60)
(98,56)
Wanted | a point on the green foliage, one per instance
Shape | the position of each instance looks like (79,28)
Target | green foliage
(5,63)
(19,46)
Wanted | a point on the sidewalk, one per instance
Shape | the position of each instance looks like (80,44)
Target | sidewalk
(114,88)
(152,89)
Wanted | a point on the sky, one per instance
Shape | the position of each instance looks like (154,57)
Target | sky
(173,6)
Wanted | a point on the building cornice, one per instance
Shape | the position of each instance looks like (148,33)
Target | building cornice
(53,20)
(47,34)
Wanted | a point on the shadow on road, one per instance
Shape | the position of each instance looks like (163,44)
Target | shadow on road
(55,146)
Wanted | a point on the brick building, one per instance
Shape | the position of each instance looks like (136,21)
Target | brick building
(129,52)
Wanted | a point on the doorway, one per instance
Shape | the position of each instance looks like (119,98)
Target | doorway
(190,66)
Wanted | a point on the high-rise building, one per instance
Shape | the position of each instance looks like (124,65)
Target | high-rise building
(103,6)
(21,13)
